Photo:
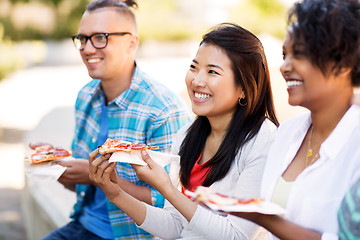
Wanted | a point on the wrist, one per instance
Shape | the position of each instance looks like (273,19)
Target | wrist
(116,196)
(169,191)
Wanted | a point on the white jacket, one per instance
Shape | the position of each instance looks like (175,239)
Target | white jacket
(243,180)
(316,194)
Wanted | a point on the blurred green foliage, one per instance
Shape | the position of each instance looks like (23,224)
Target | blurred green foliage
(67,14)
(261,16)
(10,60)
(159,20)
(66,21)
(162,20)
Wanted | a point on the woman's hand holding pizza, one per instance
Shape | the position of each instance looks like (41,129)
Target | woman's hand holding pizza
(152,173)
(102,173)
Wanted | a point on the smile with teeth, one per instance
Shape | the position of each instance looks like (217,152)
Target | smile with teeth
(93,60)
(201,96)
(294,83)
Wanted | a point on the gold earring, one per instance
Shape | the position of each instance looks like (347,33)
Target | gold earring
(242,102)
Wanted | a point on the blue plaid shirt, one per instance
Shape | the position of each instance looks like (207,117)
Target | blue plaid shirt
(148,113)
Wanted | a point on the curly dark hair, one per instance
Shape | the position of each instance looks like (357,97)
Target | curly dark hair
(328,32)
(251,72)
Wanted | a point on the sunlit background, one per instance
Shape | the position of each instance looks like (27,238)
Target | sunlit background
(41,72)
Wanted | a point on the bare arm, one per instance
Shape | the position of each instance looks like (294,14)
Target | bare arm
(280,227)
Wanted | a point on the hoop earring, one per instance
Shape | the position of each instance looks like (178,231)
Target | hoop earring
(242,102)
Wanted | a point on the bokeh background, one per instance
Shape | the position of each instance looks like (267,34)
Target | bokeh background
(41,71)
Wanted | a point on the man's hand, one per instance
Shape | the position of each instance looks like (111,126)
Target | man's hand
(77,172)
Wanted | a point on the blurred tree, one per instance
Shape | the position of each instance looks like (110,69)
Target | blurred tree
(162,20)
(158,19)
(68,21)
(261,16)
(10,60)
(268,7)
(55,2)
(17,1)
(67,14)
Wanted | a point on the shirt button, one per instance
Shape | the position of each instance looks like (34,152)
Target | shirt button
(82,194)
(93,140)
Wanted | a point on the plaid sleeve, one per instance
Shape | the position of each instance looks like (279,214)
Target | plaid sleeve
(161,134)
(349,214)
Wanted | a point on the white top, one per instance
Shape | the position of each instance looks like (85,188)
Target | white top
(243,180)
(281,192)
(317,192)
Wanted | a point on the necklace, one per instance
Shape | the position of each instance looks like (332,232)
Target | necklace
(310,159)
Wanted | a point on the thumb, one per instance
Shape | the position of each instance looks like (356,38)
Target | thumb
(113,174)
(146,157)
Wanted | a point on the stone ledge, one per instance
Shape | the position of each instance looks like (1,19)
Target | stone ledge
(46,205)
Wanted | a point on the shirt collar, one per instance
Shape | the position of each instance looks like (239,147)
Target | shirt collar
(344,129)
(124,98)
(96,94)
(96,89)
(298,134)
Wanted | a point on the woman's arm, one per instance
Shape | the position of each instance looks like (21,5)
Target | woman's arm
(102,173)
(157,177)
(280,227)
(159,222)
(142,193)
(245,180)
(206,223)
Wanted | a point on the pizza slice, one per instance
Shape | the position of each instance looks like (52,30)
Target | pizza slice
(42,152)
(112,145)
(221,203)
(204,194)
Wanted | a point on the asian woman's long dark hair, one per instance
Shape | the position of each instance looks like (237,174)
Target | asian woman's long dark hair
(251,73)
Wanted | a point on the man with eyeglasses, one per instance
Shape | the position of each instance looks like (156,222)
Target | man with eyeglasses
(121,102)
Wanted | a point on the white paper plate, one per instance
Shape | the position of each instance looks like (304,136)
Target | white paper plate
(134,157)
(45,170)
(263,206)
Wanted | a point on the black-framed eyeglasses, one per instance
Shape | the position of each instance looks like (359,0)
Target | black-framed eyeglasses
(98,40)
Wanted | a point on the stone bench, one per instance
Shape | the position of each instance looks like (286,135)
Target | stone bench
(46,205)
